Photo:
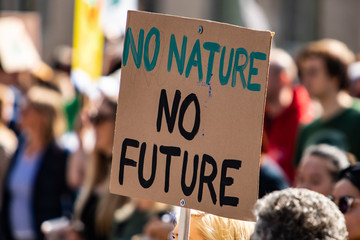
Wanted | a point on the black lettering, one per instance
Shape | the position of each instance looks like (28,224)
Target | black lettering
(184,106)
(147,183)
(207,179)
(126,161)
(188,190)
(169,152)
(228,181)
(164,105)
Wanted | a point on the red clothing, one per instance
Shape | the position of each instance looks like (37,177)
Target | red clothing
(282,130)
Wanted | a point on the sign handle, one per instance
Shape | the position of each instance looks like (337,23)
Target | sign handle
(184,223)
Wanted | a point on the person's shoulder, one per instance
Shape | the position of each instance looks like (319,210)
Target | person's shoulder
(356,104)
(55,150)
(352,112)
(304,104)
(301,93)
(311,126)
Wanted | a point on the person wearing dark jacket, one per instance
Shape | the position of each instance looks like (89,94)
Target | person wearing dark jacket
(35,188)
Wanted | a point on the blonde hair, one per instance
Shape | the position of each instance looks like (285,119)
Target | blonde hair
(97,173)
(48,103)
(213,227)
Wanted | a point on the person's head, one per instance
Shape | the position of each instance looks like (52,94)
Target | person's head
(103,120)
(42,114)
(320,167)
(298,214)
(98,170)
(347,195)
(323,67)
(282,74)
(205,226)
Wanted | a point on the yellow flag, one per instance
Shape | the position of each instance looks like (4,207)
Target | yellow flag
(88,38)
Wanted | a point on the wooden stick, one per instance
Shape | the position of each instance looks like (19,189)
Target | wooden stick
(184,223)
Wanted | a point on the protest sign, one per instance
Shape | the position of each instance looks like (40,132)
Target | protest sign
(114,13)
(32,23)
(17,50)
(190,113)
(88,40)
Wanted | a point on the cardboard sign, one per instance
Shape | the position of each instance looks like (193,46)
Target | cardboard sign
(17,50)
(32,23)
(190,113)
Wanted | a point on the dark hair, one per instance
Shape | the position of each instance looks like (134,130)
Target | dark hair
(352,173)
(112,103)
(338,158)
(336,56)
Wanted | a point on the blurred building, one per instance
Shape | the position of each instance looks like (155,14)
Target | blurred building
(295,22)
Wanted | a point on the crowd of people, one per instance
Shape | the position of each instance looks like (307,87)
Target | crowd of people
(56,151)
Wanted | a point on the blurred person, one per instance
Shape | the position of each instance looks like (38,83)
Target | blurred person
(83,152)
(354,75)
(288,106)
(143,220)
(73,99)
(79,158)
(35,189)
(77,108)
(206,226)
(271,177)
(41,74)
(95,206)
(79,137)
(112,55)
(298,214)
(7,78)
(8,140)
(11,114)
(323,71)
(320,168)
(347,196)
(159,228)
(61,58)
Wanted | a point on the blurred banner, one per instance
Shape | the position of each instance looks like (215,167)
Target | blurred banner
(94,19)
(17,50)
(114,16)
(88,40)
(32,22)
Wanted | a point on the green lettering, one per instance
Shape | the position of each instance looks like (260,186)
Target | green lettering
(241,68)
(149,66)
(130,42)
(254,71)
(212,47)
(195,60)
(224,79)
(173,51)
